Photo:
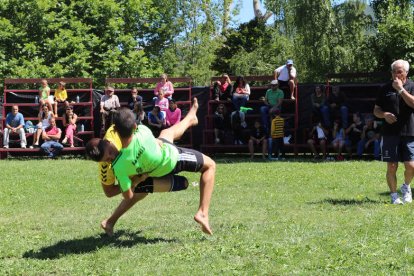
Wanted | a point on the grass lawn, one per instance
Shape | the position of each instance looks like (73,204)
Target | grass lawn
(268,218)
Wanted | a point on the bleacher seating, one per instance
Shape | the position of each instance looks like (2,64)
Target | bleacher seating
(22,92)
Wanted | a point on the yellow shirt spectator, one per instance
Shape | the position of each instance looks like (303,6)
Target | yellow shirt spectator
(61,94)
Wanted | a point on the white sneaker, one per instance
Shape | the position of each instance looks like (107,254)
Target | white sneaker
(217,141)
(6,147)
(406,194)
(396,200)
(23,146)
(65,140)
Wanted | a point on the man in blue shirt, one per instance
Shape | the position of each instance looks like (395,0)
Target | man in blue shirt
(14,124)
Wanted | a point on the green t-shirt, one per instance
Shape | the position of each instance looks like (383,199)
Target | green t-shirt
(144,155)
(273,96)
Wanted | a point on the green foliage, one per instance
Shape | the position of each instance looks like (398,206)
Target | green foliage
(268,218)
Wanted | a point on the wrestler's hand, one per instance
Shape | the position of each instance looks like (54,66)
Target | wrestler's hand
(136,179)
(390,118)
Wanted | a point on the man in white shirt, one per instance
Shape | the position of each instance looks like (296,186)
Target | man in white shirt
(286,76)
(109,105)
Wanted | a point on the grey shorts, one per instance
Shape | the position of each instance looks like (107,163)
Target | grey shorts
(397,148)
(189,160)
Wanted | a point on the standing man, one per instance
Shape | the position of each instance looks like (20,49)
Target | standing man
(286,76)
(14,124)
(395,104)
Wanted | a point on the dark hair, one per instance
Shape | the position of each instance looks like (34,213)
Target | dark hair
(157,108)
(172,101)
(95,149)
(124,121)
(240,82)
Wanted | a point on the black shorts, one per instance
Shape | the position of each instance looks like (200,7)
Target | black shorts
(397,148)
(189,160)
(283,83)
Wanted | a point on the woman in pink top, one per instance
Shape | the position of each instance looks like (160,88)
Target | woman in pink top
(164,85)
(173,114)
(162,102)
(69,122)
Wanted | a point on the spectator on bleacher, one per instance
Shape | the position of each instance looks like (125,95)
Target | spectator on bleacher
(44,118)
(238,124)
(394,104)
(156,120)
(241,93)
(370,138)
(162,102)
(220,123)
(166,86)
(44,95)
(258,137)
(337,107)
(139,113)
(173,114)
(354,133)
(318,136)
(319,102)
(273,101)
(69,122)
(134,98)
(109,105)
(338,142)
(61,97)
(14,124)
(277,132)
(286,76)
(223,89)
(51,136)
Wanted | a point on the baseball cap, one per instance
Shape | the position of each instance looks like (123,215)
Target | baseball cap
(274,82)
(289,61)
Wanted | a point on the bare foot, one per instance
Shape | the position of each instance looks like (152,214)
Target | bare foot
(203,221)
(109,228)
(193,112)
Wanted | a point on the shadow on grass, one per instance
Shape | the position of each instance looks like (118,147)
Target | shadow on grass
(347,202)
(90,244)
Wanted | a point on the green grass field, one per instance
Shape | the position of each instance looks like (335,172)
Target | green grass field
(268,218)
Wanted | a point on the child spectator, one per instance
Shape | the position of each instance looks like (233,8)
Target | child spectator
(165,86)
(162,102)
(139,113)
(61,96)
(238,123)
(156,120)
(44,95)
(241,93)
(354,133)
(44,117)
(318,136)
(338,135)
(134,98)
(370,138)
(277,132)
(257,137)
(219,123)
(223,89)
(173,114)
(69,122)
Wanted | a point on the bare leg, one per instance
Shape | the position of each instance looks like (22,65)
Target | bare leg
(409,172)
(392,176)
(264,148)
(176,131)
(251,148)
(206,190)
(312,147)
(292,89)
(109,223)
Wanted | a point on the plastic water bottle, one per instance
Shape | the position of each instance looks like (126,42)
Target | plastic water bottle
(77,98)
(36,99)
(82,128)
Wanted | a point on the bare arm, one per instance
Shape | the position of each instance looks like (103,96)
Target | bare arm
(388,116)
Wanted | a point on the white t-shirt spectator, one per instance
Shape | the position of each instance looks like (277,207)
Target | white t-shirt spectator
(283,73)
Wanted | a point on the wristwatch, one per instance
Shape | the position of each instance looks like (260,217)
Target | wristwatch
(400,91)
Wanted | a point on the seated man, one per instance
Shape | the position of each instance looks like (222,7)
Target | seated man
(51,136)
(273,100)
(14,124)
(286,76)
(145,155)
(109,105)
